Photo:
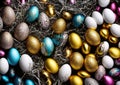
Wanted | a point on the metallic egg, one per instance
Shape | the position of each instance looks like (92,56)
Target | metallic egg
(66,15)
(83,74)
(104,33)
(113,39)
(85,48)
(50,10)
(68,52)
(75,80)
(106,25)
(108,80)
(114,52)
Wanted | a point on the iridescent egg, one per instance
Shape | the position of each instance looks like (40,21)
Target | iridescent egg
(29,82)
(78,20)
(32,14)
(108,80)
(114,72)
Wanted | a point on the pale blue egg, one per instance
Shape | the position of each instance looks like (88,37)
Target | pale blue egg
(9,84)
(13,56)
(5,78)
(78,20)
(57,39)
(47,46)
(32,14)
(29,82)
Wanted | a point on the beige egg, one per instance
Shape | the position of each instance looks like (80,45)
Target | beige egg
(75,80)
(114,52)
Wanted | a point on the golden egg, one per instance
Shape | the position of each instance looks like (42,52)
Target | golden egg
(104,33)
(33,45)
(92,37)
(59,25)
(112,39)
(75,40)
(91,55)
(91,64)
(66,15)
(75,80)
(85,48)
(114,52)
(68,52)
(51,65)
(83,74)
(99,51)
(107,26)
(49,81)
(46,73)
(76,60)
(50,10)
(44,1)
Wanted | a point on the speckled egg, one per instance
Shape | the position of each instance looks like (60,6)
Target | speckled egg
(8,16)
(29,82)
(78,20)
(90,81)
(32,14)
(21,31)
(47,46)
(6,41)
(115,30)
(13,56)
(1,23)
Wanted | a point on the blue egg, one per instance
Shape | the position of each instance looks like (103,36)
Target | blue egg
(11,73)
(9,84)
(29,82)
(47,46)
(32,14)
(17,81)
(114,72)
(78,20)
(57,39)
(13,56)
(5,78)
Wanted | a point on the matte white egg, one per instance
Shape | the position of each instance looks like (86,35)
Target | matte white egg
(90,22)
(108,16)
(26,63)
(91,81)
(4,66)
(115,30)
(107,62)
(98,17)
(64,72)
(103,3)
(117,83)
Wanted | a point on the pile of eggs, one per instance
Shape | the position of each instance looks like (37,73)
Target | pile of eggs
(93,60)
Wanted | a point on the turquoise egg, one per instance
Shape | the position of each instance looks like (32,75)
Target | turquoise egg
(29,82)
(57,39)
(114,72)
(32,14)
(5,78)
(12,73)
(13,56)
(78,20)
(17,81)
(9,84)
(47,46)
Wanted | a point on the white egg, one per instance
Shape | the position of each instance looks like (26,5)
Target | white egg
(104,46)
(98,17)
(108,15)
(90,81)
(107,62)
(90,22)
(119,45)
(117,83)
(64,72)
(103,3)
(4,66)
(115,30)
(26,63)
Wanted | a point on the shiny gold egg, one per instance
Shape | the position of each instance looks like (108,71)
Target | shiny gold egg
(114,52)
(68,52)
(99,51)
(104,33)
(92,37)
(46,73)
(85,48)
(49,81)
(59,25)
(75,40)
(75,80)
(76,60)
(33,45)
(51,65)
(91,55)
(66,15)
(112,39)
(50,10)
(83,74)
(44,1)
(107,26)
(91,64)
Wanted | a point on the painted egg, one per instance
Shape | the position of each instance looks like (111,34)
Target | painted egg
(4,66)
(75,40)
(114,52)
(100,72)
(8,16)
(76,60)
(114,72)
(26,63)
(43,20)
(64,72)
(9,83)
(117,83)
(90,81)
(51,65)
(2,53)
(5,78)
(90,22)
(13,56)
(32,14)
(98,17)
(83,74)
(29,82)
(108,80)
(6,41)
(75,80)
(1,23)
(47,46)
(85,48)
(92,37)
(107,62)
(21,31)
(66,15)
(115,30)
(108,15)
(33,44)
(78,20)
(57,27)
(104,3)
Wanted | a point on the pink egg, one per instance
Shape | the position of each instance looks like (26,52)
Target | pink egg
(108,80)
(7,2)
(2,53)
(117,61)
(22,2)
(113,6)
(72,1)
(118,11)
(98,8)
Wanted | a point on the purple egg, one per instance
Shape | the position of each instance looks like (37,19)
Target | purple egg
(98,8)
(108,80)
(2,53)
(113,6)
(117,61)
(118,11)
(7,2)
(72,1)
(22,2)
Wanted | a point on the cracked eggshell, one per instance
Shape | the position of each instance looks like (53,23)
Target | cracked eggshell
(115,30)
